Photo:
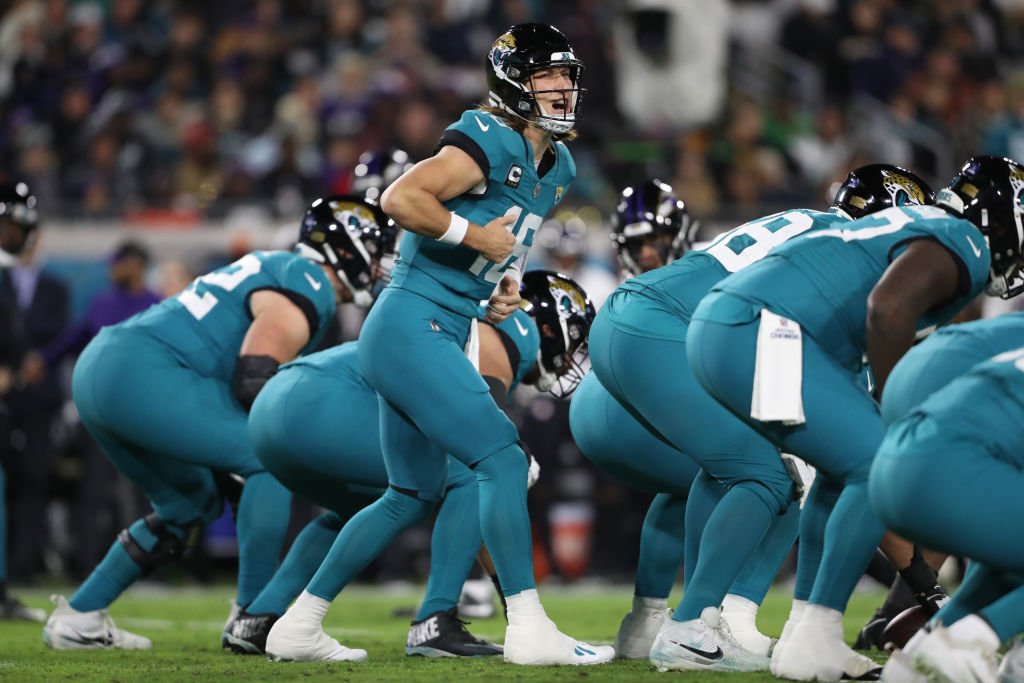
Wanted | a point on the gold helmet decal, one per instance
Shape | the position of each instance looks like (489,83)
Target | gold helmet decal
(895,182)
(502,46)
(1017,182)
(568,297)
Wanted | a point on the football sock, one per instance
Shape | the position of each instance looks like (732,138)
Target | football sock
(524,607)
(851,536)
(881,569)
(454,545)
(661,546)
(922,581)
(115,572)
(363,538)
(261,532)
(900,597)
(813,519)
(758,574)
(304,557)
(1004,615)
(309,609)
(504,521)
(732,533)
(705,494)
(982,588)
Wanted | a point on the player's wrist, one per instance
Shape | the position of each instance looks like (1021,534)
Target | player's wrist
(458,227)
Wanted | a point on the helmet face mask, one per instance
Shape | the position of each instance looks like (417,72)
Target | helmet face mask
(650,215)
(988,191)
(563,315)
(875,187)
(515,58)
(351,235)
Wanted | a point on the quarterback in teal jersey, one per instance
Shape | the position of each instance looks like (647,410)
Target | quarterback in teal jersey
(638,351)
(166,395)
(781,344)
(315,427)
(949,475)
(470,212)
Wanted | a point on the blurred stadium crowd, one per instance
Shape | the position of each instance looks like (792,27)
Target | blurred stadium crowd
(131,112)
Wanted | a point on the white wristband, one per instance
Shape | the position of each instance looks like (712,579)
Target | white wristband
(457,229)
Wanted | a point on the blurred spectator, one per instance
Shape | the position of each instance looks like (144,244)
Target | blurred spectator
(564,242)
(26,452)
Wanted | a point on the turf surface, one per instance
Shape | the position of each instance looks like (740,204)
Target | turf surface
(185,626)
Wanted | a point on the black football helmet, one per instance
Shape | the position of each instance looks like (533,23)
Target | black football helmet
(352,235)
(988,191)
(516,55)
(563,315)
(875,187)
(376,170)
(647,210)
(17,207)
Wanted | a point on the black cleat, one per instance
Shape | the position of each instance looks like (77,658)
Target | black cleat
(443,634)
(871,635)
(246,634)
(12,608)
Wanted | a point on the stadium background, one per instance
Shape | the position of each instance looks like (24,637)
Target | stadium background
(201,130)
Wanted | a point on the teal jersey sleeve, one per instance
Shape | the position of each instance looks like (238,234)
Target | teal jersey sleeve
(681,285)
(823,279)
(519,331)
(206,323)
(455,276)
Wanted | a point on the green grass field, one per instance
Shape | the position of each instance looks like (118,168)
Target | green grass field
(185,626)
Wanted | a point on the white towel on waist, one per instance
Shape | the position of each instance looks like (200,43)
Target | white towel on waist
(473,344)
(778,371)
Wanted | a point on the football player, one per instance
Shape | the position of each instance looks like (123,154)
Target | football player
(469,213)
(949,476)
(781,344)
(166,394)
(19,218)
(652,229)
(314,426)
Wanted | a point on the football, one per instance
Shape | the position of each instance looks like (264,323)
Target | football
(903,626)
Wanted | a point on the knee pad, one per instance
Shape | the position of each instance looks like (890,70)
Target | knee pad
(168,547)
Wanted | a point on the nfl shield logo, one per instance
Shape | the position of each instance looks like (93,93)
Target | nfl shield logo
(536,190)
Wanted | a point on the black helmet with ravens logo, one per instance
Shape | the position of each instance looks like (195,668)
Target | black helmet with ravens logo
(651,214)
(517,54)
(19,217)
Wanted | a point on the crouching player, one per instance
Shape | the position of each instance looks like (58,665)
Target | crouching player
(315,427)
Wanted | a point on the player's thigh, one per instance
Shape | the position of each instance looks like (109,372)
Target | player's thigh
(416,465)
(411,351)
(313,429)
(611,438)
(138,390)
(654,375)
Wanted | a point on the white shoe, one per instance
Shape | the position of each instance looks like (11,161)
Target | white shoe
(69,629)
(232,614)
(638,630)
(780,645)
(944,660)
(814,650)
(900,669)
(1012,668)
(293,640)
(536,641)
(702,644)
(477,599)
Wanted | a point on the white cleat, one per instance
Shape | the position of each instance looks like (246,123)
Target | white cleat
(537,641)
(944,660)
(814,650)
(69,629)
(703,644)
(1012,668)
(292,640)
(780,645)
(638,630)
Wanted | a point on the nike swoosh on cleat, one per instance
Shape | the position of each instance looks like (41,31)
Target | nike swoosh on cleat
(582,651)
(713,655)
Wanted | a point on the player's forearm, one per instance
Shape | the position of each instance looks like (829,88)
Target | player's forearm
(889,336)
(419,211)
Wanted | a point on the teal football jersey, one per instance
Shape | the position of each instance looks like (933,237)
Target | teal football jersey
(679,286)
(520,329)
(978,340)
(822,279)
(456,276)
(206,323)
